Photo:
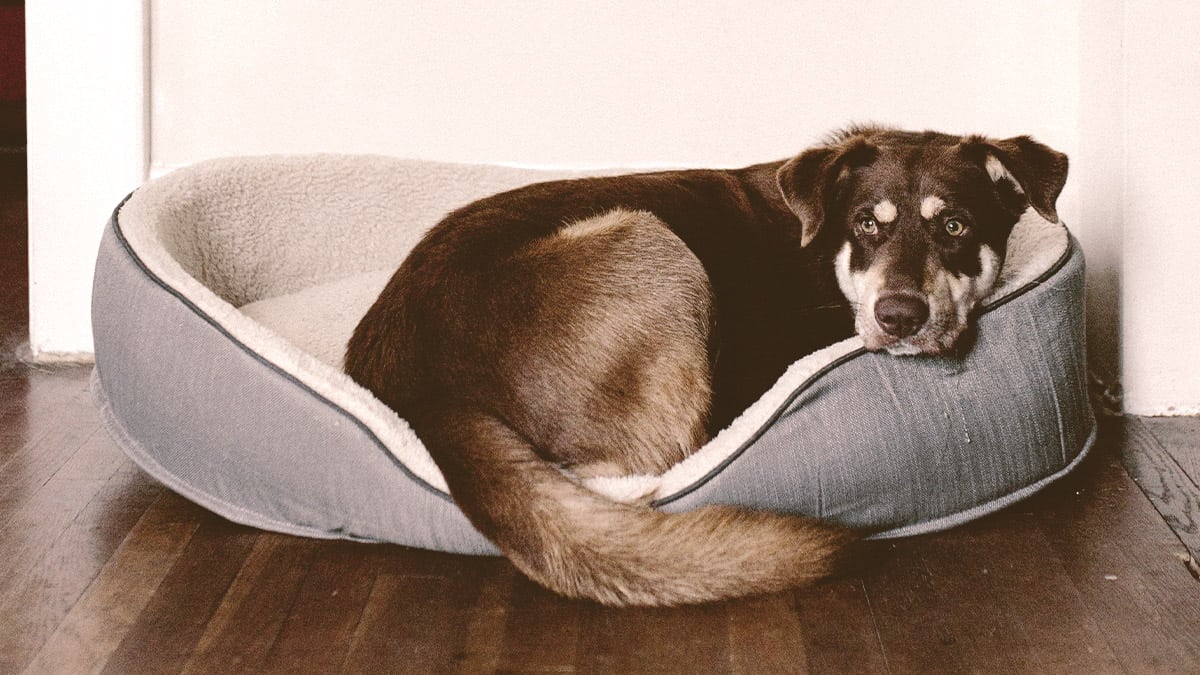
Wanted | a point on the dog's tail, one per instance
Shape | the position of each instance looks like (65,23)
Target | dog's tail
(580,544)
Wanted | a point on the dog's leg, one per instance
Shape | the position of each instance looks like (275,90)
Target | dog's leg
(615,377)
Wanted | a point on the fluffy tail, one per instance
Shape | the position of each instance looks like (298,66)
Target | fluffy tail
(580,544)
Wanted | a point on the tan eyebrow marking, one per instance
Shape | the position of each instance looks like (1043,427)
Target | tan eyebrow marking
(931,206)
(885,211)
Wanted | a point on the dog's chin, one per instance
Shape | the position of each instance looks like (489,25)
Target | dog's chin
(902,348)
(927,343)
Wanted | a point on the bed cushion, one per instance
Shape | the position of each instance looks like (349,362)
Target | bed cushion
(225,293)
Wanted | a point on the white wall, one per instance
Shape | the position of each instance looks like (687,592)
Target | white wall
(87,149)
(613,82)
(1160,286)
(706,82)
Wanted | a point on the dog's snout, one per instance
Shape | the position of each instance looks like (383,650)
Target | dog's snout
(901,315)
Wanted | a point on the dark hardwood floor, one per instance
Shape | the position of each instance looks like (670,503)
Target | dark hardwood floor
(101,569)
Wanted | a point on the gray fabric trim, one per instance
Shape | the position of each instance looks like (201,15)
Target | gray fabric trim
(115,228)
(150,464)
(987,508)
(213,422)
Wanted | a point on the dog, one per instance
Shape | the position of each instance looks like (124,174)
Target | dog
(610,326)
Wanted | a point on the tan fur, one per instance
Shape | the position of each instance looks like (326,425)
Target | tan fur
(614,219)
(646,315)
(587,546)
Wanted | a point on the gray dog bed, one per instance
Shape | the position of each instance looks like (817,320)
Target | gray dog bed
(225,293)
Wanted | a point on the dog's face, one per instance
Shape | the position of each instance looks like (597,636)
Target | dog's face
(923,221)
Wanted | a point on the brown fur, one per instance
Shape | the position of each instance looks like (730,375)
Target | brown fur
(605,327)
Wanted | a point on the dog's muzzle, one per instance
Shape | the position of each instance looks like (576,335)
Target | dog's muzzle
(905,321)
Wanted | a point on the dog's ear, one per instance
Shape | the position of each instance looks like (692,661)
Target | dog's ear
(808,182)
(1037,170)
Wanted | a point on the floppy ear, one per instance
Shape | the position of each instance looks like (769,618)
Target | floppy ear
(1039,171)
(808,181)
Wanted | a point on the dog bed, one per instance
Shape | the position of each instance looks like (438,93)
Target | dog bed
(225,293)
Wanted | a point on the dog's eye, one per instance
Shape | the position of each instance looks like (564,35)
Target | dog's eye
(955,227)
(868,226)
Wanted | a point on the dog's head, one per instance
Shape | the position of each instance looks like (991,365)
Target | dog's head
(924,220)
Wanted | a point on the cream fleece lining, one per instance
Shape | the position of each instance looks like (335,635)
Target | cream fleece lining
(287,252)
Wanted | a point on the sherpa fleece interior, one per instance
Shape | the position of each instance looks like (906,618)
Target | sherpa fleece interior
(261,246)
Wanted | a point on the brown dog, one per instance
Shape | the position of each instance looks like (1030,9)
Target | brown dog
(610,326)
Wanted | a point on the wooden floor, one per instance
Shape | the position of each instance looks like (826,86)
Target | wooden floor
(103,569)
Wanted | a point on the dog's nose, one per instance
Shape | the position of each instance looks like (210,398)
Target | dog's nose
(901,315)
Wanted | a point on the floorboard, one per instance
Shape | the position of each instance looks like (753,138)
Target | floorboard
(483,631)
(1127,567)
(101,619)
(403,613)
(839,626)
(681,639)
(327,609)
(1165,482)
(1180,437)
(167,631)
(542,631)
(766,635)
